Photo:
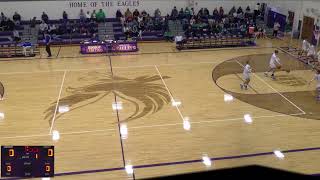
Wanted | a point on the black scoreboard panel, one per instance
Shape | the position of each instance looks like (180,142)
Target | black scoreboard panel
(27,161)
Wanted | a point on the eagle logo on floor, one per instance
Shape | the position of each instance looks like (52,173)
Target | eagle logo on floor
(144,93)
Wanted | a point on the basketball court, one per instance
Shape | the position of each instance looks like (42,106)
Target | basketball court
(161,111)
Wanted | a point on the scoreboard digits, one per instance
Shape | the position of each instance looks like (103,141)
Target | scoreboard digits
(27,161)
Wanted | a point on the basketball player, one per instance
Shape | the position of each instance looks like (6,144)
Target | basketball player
(274,64)
(317,78)
(305,47)
(311,53)
(246,76)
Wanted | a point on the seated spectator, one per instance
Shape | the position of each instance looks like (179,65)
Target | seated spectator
(248,9)
(122,20)
(64,16)
(215,14)
(232,10)
(118,14)
(192,12)
(3,17)
(43,27)
(128,14)
(135,13)
(221,12)
(200,12)
(16,18)
(240,11)
(157,13)
(101,16)
(187,13)
(52,29)
(94,15)
(33,22)
(140,18)
(88,16)
(10,25)
(44,17)
(82,16)
(144,14)
(16,35)
(206,12)
(181,14)
(174,13)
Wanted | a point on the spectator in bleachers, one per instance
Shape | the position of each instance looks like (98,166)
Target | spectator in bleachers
(174,13)
(135,13)
(10,24)
(187,13)
(94,15)
(206,12)
(200,12)
(118,14)
(157,13)
(33,23)
(248,9)
(215,14)
(192,12)
(139,18)
(232,10)
(128,15)
(82,16)
(239,11)
(44,17)
(122,20)
(88,16)
(52,29)
(43,27)
(221,12)
(144,14)
(181,14)
(16,18)
(64,16)
(101,16)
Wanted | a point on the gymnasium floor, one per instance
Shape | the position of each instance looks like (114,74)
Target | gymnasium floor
(159,139)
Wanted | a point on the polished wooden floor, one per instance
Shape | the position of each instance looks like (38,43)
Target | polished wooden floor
(90,145)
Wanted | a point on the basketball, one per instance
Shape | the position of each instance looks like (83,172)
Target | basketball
(279,66)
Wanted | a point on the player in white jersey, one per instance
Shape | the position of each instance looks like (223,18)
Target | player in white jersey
(246,76)
(273,64)
(305,47)
(317,78)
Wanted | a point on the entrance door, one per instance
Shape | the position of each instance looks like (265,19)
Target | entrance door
(307,28)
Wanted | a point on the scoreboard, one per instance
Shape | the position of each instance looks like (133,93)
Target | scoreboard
(27,161)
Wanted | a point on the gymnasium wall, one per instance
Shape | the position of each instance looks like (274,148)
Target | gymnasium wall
(54,9)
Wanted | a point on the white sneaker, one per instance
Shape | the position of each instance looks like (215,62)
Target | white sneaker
(266,74)
(241,86)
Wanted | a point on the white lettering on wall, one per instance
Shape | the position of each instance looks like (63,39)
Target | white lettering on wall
(94,4)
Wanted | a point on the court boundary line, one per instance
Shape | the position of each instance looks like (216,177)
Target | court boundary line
(174,163)
(275,90)
(156,125)
(172,99)
(116,67)
(124,54)
(59,96)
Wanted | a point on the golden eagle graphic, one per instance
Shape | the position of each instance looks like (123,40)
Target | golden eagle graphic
(140,90)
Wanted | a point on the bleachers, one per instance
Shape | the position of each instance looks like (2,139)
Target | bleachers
(215,42)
